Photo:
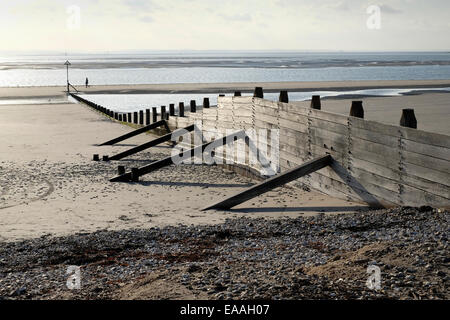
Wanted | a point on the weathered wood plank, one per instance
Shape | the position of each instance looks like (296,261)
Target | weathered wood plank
(273,183)
(136,132)
(376,137)
(426,149)
(426,173)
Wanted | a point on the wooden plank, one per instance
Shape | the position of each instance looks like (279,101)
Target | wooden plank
(370,194)
(376,137)
(293,117)
(427,186)
(426,173)
(149,144)
(426,161)
(375,168)
(407,133)
(293,109)
(328,116)
(429,138)
(272,183)
(375,153)
(266,118)
(293,125)
(416,197)
(330,126)
(136,132)
(246,100)
(426,149)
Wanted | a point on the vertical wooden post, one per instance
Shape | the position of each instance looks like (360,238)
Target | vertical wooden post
(315,103)
(163,112)
(284,97)
(408,119)
(96,157)
(121,170)
(181,109)
(130,117)
(357,109)
(120,117)
(258,93)
(141,117)
(154,115)
(147,116)
(135,174)
(205,102)
(193,106)
(237,94)
(135,115)
(171,109)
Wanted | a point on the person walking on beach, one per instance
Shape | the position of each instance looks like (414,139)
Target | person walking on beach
(87,82)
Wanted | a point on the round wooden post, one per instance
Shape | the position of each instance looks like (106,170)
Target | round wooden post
(135,115)
(315,102)
(96,157)
(408,119)
(205,102)
(357,109)
(147,116)
(181,109)
(193,106)
(154,115)
(141,117)
(105,158)
(130,117)
(163,112)
(172,109)
(135,174)
(284,96)
(237,94)
(120,117)
(121,170)
(258,93)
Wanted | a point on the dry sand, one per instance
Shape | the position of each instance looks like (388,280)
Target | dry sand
(50,185)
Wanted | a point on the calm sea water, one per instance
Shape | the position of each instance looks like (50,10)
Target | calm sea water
(213,67)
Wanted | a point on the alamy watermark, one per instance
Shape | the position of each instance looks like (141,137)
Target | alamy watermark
(74,280)
(257,148)
(374,20)
(74,17)
(374,280)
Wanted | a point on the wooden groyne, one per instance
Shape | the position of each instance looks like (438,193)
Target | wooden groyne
(374,163)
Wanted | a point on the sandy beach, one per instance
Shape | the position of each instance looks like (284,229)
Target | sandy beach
(50,185)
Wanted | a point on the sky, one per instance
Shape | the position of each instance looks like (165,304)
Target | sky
(303,25)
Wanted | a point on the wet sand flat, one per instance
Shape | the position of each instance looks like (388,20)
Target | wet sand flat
(21,92)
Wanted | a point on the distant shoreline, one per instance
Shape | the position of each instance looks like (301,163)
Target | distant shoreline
(245,87)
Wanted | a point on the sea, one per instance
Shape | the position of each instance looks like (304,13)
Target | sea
(219,67)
